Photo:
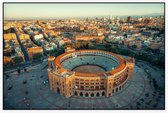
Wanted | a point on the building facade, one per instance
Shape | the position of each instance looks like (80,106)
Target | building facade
(69,83)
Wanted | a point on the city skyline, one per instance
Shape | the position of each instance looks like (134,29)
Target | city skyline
(89,63)
(51,11)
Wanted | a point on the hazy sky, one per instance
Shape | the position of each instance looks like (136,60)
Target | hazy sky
(78,10)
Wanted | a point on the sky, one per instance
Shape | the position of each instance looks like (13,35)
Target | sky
(25,11)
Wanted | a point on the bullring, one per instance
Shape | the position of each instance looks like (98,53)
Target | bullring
(105,73)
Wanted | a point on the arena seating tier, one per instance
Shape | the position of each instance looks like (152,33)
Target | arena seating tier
(102,61)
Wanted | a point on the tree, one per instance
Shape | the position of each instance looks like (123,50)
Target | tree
(17,60)
(156,86)
(134,46)
(142,99)
(147,94)
(157,100)
(138,104)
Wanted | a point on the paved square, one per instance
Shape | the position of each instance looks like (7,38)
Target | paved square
(137,92)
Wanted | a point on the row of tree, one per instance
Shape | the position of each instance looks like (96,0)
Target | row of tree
(158,61)
(79,45)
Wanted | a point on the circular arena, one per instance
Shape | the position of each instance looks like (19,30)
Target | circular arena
(89,73)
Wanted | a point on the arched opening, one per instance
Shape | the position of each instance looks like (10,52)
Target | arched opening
(103,93)
(76,93)
(81,94)
(97,94)
(86,95)
(116,89)
(58,90)
(113,90)
(120,88)
(126,75)
(92,95)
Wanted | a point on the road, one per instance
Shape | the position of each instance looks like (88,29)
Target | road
(22,66)
(22,48)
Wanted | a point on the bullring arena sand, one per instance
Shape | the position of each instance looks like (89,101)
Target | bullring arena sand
(88,69)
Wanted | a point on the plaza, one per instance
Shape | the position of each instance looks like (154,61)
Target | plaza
(30,90)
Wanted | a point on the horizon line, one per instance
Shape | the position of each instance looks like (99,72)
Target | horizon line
(100,16)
